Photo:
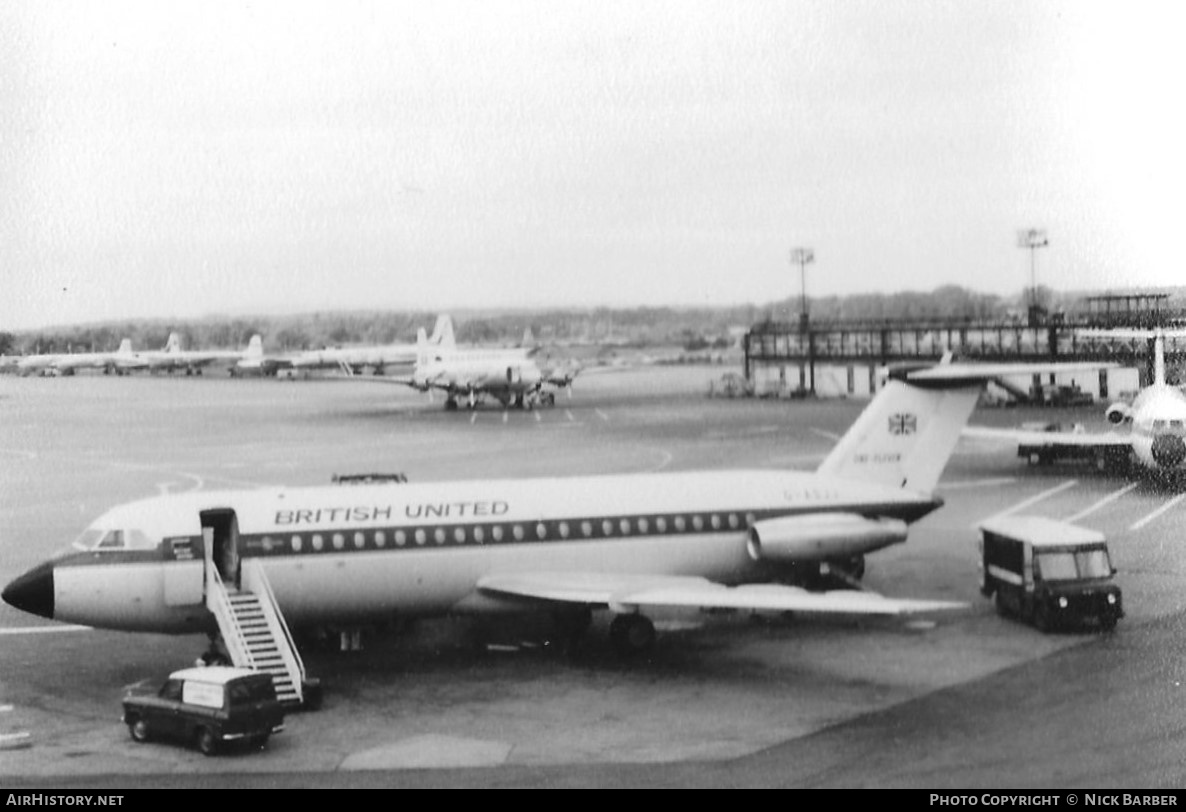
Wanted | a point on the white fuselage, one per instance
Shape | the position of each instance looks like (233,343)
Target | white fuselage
(380,357)
(352,553)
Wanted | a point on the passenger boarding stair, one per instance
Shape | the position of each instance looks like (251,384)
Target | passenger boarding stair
(254,631)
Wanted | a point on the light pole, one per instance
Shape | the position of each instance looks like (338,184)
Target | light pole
(802,256)
(1033,239)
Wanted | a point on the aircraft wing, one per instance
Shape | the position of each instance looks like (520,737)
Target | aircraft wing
(402,380)
(625,593)
(267,363)
(1111,439)
(952,372)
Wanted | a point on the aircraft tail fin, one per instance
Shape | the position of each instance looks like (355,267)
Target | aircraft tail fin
(442,333)
(174,343)
(905,436)
(1156,336)
(255,347)
(125,347)
(909,430)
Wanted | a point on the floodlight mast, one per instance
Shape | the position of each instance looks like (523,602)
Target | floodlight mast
(1033,239)
(802,256)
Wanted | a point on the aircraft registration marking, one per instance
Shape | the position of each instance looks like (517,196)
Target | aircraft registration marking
(878,459)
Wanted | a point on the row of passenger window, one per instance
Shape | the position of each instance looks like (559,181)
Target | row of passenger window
(540,531)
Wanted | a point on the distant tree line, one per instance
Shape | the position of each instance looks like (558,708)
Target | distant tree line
(698,328)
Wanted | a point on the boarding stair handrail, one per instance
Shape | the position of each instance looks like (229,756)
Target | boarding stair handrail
(219,603)
(257,581)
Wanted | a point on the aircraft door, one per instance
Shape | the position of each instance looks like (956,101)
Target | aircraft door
(220,531)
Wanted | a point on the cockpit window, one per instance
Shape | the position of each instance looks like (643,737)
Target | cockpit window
(112,540)
(88,539)
(109,540)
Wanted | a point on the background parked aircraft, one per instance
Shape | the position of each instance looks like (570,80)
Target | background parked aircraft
(511,380)
(253,361)
(511,375)
(173,358)
(380,359)
(1150,431)
(37,364)
(121,361)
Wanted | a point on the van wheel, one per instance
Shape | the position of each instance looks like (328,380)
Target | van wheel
(138,728)
(1042,620)
(207,741)
(999,602)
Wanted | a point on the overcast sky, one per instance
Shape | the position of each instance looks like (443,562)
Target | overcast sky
(181,159)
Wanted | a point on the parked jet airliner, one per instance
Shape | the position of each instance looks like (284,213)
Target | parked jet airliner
(346,555)
(1151,431)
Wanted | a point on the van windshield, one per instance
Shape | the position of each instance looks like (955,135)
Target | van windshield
(1073,566)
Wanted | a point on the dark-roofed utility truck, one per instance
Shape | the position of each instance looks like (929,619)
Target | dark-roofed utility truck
(1049,573)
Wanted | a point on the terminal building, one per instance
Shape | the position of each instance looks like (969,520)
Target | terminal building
(785,359)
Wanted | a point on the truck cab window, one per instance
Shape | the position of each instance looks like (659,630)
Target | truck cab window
(1056,566)
(1094,564)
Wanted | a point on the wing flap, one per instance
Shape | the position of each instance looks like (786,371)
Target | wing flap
(627,593)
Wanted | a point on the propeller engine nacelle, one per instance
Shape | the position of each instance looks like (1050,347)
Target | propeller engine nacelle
(1119,413)
(821,537)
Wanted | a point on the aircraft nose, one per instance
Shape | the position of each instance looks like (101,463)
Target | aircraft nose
(1168,450)
(32,592)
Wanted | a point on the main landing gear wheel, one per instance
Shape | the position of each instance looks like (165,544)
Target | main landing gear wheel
(632,635)
(843,573)
(571,627)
